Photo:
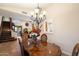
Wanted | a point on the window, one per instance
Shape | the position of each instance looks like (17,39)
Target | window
(18,30)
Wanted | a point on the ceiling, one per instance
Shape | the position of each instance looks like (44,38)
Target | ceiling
(16,9)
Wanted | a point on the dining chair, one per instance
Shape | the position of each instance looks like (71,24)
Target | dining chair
(25,43)
(21,47)
(25,38)
(44,39)
(75,50)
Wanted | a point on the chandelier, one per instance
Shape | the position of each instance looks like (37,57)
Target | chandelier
(38,15)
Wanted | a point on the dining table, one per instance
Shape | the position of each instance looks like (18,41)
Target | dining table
(43,49)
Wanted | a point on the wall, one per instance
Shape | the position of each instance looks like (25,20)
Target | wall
(65,18)
(66,25)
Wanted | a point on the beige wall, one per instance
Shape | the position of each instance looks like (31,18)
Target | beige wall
(66,25)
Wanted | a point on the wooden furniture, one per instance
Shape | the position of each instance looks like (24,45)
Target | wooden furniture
(25,39)
(0,30)
(75,50)
(6,27)
(24,43)
(21,47)
(43,50)
(44,39)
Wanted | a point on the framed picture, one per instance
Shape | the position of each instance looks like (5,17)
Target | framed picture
(48,26)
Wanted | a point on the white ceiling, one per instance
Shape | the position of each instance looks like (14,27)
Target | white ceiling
(15,9)
(22,5)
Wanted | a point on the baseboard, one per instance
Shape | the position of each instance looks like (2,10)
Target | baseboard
(66,53)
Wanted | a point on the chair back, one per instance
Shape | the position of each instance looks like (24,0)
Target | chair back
(75,50)
(43,38)
(25,43)
(25,39)
(21,47)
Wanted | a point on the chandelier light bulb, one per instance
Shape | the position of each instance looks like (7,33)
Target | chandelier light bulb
(44,12)
(37,10)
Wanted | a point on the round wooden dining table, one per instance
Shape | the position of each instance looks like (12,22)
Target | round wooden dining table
(43,49)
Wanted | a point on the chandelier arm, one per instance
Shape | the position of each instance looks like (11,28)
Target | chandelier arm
(38,16)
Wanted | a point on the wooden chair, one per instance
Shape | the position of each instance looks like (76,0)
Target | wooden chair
(21,47)
(25,43)
(44,39)
(75,50)
(25,39)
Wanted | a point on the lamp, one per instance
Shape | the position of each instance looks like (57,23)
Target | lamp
(38,15)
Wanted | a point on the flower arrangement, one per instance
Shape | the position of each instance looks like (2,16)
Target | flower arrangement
(33,37)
